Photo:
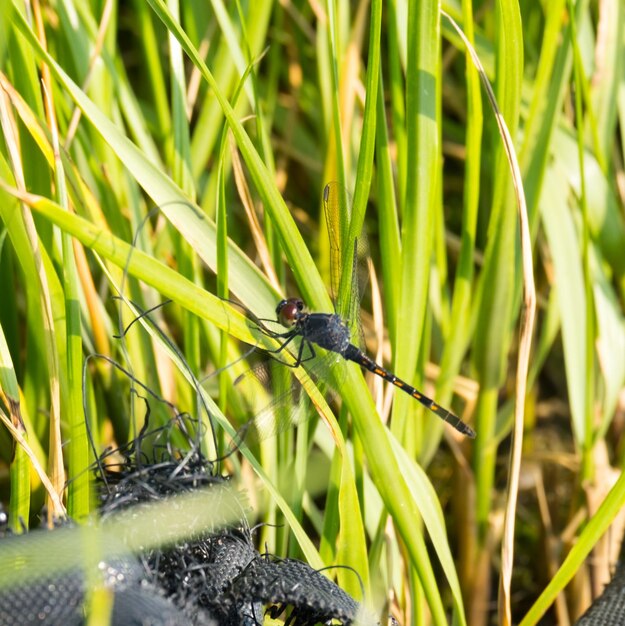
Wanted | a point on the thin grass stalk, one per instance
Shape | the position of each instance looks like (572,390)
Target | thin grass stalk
(182,174)
(528,312)
(153,67)
(388,223)
(331,514)
(544,79)
(222,266)
(78,498)
(269,106)
(456,342)
(492,335)
(398,105)
(181,156)
(591,126)
(606,101)
(335,148)
(352,544)
(93,57)
(364,169)
(19,501)
(10,212)
(586,437)
(264,143)
(547,108)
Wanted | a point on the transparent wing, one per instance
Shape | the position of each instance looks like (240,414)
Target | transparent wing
(346,300)
(275,399)
(331,207)
(360,280)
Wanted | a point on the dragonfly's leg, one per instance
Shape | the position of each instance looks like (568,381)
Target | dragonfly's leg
(299,360)
(300,355)
(272,333)
(311,352)
(289,337)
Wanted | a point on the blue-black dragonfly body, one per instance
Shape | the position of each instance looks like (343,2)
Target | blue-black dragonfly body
(331,332)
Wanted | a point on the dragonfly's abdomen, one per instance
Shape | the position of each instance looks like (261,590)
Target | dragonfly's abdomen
(354,354)
(362,359)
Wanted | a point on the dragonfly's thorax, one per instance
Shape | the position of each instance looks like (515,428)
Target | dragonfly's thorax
(327,330)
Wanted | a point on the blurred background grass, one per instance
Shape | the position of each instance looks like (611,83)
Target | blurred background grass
(231,124)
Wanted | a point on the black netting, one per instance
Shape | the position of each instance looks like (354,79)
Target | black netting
(215,577)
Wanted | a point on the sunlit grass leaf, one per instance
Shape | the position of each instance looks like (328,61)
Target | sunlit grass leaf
(564,245)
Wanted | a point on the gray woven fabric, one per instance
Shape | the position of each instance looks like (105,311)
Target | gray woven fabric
(609,608)
(44,602)
(33,593)
(292,583)
(215,579)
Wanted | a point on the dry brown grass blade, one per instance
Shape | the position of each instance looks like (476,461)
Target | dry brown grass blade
(376,382)
(95,55)
(56,468)
(528,313)
(49,487)
(255,228)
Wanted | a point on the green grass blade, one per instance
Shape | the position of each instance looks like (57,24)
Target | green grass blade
(493,332)
(421,201)
(19,505)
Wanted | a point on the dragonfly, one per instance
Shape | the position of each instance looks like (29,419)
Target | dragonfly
(333,332)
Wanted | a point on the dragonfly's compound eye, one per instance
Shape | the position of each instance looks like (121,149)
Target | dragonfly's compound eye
(289,310)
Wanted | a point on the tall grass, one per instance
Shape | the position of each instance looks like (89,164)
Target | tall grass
(230,118)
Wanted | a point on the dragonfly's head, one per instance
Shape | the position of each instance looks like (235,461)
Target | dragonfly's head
(289,310)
